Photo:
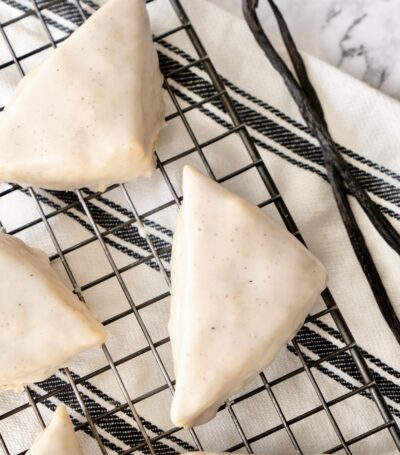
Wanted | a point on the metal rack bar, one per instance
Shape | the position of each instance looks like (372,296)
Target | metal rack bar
(280,413)
(78,292)
(239,427)
(322,399)
(31,12)
(33,405)
(3,446)
(285,216)
(129,299)
(85,412)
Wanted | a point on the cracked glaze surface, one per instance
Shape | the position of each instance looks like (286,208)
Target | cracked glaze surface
(361,37)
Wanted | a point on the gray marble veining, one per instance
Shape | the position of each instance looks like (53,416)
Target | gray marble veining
(362,37)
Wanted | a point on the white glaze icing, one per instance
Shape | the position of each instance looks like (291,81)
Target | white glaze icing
(42,323)
(242,286)
(58,438)
(91,113)
(142,231)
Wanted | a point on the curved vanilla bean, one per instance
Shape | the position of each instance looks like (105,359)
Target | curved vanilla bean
(378,219)
(339,174)
(362,252)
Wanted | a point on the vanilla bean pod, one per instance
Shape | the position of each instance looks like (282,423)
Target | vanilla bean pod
(338,172)
(378,219)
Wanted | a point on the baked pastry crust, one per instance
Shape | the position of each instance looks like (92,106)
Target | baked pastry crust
(58,438)
(42,323)
(242,286)
(90,114)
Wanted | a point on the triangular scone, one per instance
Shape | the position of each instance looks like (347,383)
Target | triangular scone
(42,323)
(91,113)
(242,286)
(58,438)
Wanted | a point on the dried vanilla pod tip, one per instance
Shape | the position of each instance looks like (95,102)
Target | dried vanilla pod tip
(42,323)
(339,173)
(58,438)
(91,113)
(242,286)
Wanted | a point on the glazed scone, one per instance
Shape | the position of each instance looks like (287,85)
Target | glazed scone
(42,323)
(58,438)
(242,286)
(90,114)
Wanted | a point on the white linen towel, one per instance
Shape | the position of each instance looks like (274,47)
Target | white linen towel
(362,120)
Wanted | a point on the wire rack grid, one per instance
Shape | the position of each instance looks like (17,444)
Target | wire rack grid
(148,443)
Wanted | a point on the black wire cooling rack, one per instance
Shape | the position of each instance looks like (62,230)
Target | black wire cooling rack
(83,199)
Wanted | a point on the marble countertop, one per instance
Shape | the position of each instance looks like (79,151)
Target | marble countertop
(362,37)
